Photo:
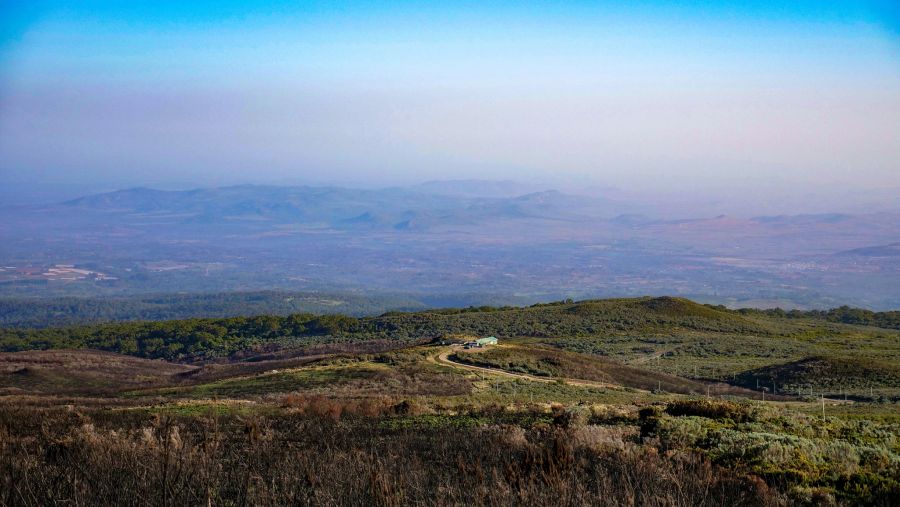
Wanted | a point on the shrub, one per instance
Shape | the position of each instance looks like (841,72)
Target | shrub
(718,410)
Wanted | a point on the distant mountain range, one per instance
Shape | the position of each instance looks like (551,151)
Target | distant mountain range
(441,237)
(400,208)
(430,203)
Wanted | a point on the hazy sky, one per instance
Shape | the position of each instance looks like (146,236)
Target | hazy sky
(643,95)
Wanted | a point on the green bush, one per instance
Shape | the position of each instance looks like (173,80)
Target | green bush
(710,409)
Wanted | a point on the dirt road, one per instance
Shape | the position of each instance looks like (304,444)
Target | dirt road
(443,357)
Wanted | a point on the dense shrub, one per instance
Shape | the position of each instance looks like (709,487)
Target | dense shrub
(853,461)
(712,409)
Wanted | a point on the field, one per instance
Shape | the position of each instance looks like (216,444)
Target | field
(622,402)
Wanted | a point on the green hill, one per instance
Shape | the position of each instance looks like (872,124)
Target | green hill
(665,335)
(585,318)
(185,339)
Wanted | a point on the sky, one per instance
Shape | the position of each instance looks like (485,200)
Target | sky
(790,102)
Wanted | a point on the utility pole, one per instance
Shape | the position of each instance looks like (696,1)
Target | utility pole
(823,407)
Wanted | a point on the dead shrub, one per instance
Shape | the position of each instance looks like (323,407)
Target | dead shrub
(603,437)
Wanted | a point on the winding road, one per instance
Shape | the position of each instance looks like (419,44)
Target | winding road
(443,358)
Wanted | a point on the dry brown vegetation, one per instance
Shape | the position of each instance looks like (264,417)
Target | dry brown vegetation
(81,371)
(91,372)
(50,456)
(368,423)
(260,360)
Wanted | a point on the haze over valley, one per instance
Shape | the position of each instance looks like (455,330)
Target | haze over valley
(464,241)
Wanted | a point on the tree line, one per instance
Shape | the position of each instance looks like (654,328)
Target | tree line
(193,339)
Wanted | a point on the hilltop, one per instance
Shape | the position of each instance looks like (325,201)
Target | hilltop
(176,339)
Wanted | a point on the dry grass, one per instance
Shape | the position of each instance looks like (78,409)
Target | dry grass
(552,362)
(307,460)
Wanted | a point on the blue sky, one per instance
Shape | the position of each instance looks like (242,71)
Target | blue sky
(646,95)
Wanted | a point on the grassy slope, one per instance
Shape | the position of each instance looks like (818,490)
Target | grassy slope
(551,362)
(545,361)
(832,373)
(671,336)
(353,376)
(79,371)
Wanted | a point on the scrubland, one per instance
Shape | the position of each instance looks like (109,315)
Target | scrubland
(623,402)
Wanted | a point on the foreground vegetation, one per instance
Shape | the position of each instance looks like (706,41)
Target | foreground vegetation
(619,402)
(380,451)
(310,460)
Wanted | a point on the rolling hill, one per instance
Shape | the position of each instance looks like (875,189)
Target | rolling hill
(672,337)
(81,371)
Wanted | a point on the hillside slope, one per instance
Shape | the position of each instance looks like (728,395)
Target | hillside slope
(668,336)
(180,340)
(835,374)
(81,371)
